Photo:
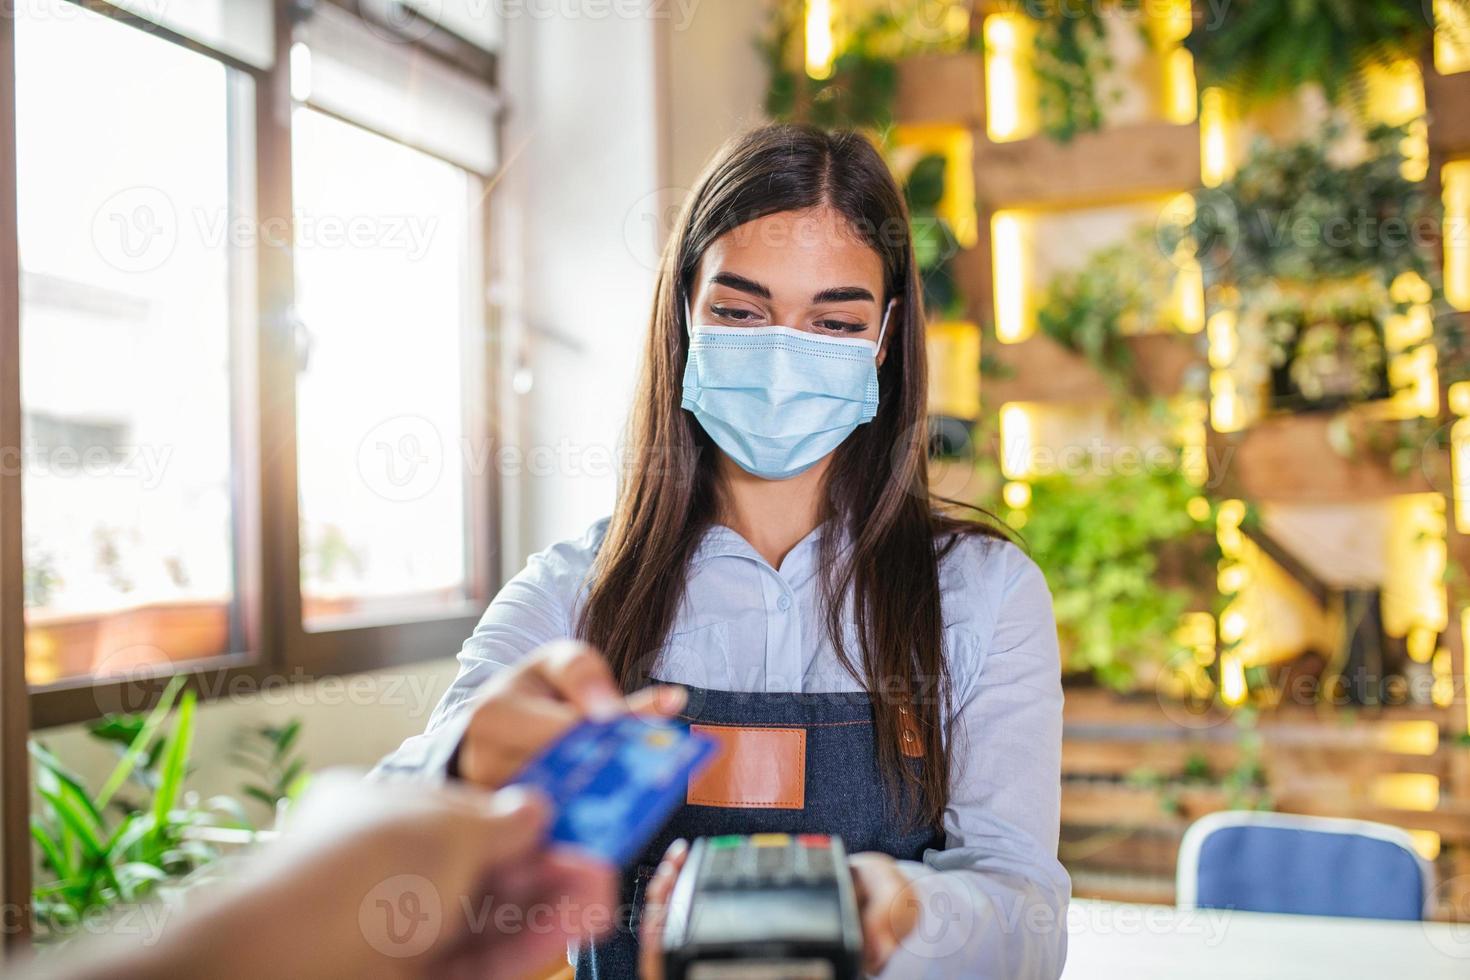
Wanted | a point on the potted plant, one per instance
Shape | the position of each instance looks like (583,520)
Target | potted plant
(122,842)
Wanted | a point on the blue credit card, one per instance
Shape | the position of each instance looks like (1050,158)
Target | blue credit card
(614,783)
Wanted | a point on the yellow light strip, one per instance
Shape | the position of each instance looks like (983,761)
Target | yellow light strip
(1427,843)
(1180,96)
(1451,38)
(1459,399)
(1442,691)
(1009,107)
(1170,22)
(1233,689)
(1189,296)
(1465,655)
(1227,414)
(1016,494)
(1413,364)
(957,145)
(1456,178)
(1409,737)
(1217,161)
(1193,436)
(952,349)
(1396,97)
(1008,250)
(1016,441)
(820,46)
(1405,791)
(1414,600)
(1197,632)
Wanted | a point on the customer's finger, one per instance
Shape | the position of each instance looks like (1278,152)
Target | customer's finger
(511,824)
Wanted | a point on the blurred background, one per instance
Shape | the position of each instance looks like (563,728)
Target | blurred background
(326,315)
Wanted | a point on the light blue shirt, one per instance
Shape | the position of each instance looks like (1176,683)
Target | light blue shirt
(993,902)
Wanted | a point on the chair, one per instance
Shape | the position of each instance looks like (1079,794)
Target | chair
(1281,862)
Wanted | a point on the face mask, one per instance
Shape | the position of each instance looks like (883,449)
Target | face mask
(775,399)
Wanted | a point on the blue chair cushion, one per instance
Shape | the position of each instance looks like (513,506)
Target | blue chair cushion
(1277,869)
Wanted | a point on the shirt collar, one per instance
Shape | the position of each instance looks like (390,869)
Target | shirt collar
(800,563)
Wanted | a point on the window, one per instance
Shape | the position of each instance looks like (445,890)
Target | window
(385,261)
(252,344)
(126,321)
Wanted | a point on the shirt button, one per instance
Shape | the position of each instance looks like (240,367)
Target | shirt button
(783,603)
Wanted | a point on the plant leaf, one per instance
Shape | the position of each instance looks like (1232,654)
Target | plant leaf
(50,850)
(175,763)
(138,749)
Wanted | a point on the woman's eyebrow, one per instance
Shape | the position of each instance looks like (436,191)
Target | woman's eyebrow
(842,294)
(741,283)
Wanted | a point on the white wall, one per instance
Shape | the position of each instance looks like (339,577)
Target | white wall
(583,139)
(611,121)
(716,82)
(347,721)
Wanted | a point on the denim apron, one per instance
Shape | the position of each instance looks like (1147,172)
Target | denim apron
(845,795)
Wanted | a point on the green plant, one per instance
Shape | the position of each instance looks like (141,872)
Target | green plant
(859,92)
(268,753)
(1099,539)
(1262,49)
(1325,345)
(1244,783)
(935,244)
(99,849)
(1314,255)
(1295,212)
(1120,290)
(1071,61)
(42,579)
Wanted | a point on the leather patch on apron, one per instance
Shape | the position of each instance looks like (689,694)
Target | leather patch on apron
(755,768)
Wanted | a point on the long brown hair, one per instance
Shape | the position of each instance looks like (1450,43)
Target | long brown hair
(876,485)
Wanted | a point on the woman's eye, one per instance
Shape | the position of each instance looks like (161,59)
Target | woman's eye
(842,326)
(730,313)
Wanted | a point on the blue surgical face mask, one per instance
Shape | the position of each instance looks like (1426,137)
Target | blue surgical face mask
(775,399)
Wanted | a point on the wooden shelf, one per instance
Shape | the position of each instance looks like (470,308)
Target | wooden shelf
(1448,100)
(1116,887)
(1289,459)
(942,89)
(1042,370)
(1123,163)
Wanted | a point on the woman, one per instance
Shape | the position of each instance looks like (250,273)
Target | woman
(872,668)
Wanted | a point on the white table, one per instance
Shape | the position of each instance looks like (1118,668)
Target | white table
(1108,940)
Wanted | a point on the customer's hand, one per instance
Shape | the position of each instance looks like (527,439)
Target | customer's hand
(525,708)
(887,910)
(379,879)
(448,883)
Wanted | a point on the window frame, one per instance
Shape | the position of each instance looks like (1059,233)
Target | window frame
(278,648)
